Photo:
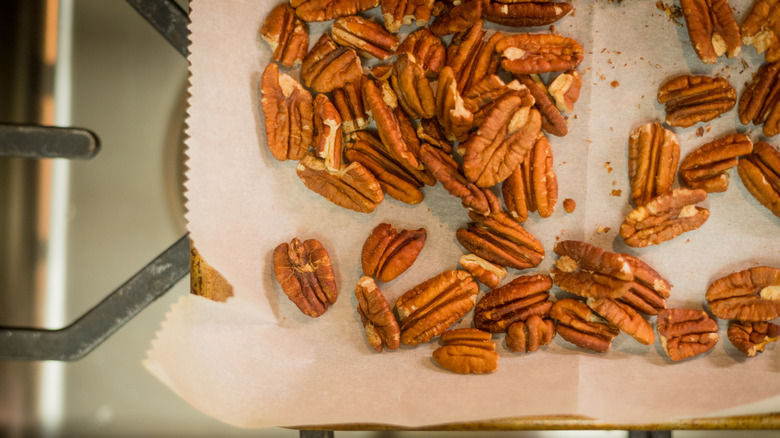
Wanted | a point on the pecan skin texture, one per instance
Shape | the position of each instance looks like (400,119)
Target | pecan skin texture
(539,53)
(529,335)
(705,168)
(692,99)
(500,239)
(515,301)
(396,13)
(352,187)
(450,109)
(348,100)
(552,119)
(327,66)
(686,333)
(472,57)
(328,135)
(664,218)
(367,37)
(324,10)
(760,173)
(624,317)
(524,14)
(760,30)
(388,252)
(458,18)
(288,109)
(445,170)
(532,186)
(565,90)
(412,87)
(467,351)
(377,317)
(429,308)
(580,326)
(304,271)
(427,49)
(752,337)
(480,98)
(760,102)
(430,131)
(749,295)
(653,154)
(712,29)
(286,34)
(485,272)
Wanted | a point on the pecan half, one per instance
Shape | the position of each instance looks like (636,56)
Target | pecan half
(419,176)
(348,100)
(500,239)
(686,333)
(487,273)
(760,173)
(481,96)
(565,89)
(388,252)
(327,133)
(367,37)
(539,53)
(412,87)
(467,351)
(653,154)
(749,295)
(552,119)
(471,57)
(692,99)
(376,315)
(427,49)
(760,102)
(712,29)
(502,140)
(445,169)
(286,34)
(429,308)
(304,271)
(705,168)
(327,66)
(430,131)
(529,335)
(664,218)
(515,301)
(524,13)
(457,18)
(752,337)
(580,326)
(760,29)
(352,187)
(287,108)
(624,317)
(399,12)
(324,10)
(450,110)
(533,185)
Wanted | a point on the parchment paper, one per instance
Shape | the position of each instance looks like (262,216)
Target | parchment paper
(257,361)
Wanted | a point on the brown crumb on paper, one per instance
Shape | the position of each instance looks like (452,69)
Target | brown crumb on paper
(614,84)
(569,205)
(608,166)
(616,192)
(699,131)
(603,230)
(673,12)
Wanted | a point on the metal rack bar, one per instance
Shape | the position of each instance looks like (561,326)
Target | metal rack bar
(34,141)
(168,19)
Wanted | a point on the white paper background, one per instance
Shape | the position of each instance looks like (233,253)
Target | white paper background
(256,361)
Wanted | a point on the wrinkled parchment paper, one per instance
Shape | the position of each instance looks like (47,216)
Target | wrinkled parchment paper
(257,361)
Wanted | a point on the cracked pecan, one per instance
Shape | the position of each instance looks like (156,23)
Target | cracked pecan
(327,66)
(686,333)
(580,326)
(429,308)
(529,335)
(760,173)
(552,119)
(712,29)
(427,49)
(485,272)
(500,239)
(624,317)
(324,10)
(524,13)
(752,337)
(396,13)
(705,168)
(457,18)
(692,99)
(286,34)
(515,301)
(430,131)
(467,351)
(367,37)
(287,108)
(412,87)
(352,187)
(749,295)
(760,102)
(760,29)
(539,53)
(388,252)
(445,169)
(376,316)
(304,271)
(450,109)
(664,218)
(565,90)
(327,133)
(533,185)
(348,100)
(653,154)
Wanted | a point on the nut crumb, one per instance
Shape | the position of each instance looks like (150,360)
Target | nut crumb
(614,183)
(603,230)
(608,166)
(569,205)
(616,192)
(700,131)
(614,84)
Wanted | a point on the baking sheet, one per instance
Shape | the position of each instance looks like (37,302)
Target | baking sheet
(256,361)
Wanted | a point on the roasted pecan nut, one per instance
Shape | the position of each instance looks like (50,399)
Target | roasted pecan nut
(429,308)
(412,87)
(457,18)
(760,173)
(760,102)
(648,291)
(352,187)
(529,335)
(749,295)
(524,13)
(580,326)
(420,176)
(327,133)
(712,29)
(427,49)
(487,273)
(348,100)
(286,34)
(480,98)
(686,333)
(705,168)
(664,218)
(388,252)
(760,29)
(396,13)
(515,301)
(445,170)
(653,154)
(287,108)
(327,66)
(539,53)
(304,271)
(367,37)
(467,351)
(395,181)
(624,317)
(552,119)
(500,239)
(450,110)
(752,337)
(376,315)
(565,89)
(324,10)
(533,185)
(430,131)
(472,57)
(692,99)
